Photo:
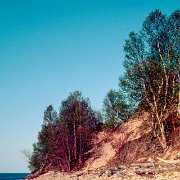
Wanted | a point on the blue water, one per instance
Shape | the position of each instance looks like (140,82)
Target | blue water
(12,176)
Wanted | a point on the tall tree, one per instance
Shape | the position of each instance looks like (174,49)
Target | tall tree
(78,121)
(152,65)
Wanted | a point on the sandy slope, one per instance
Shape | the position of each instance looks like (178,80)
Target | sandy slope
(105,143)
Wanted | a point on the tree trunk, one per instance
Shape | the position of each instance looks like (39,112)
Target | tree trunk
(80,145)
(75,141)
(161,136)
(68,149)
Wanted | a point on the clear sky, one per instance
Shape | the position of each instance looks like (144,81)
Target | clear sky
(49,48)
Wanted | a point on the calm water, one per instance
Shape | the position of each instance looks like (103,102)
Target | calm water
(12,176)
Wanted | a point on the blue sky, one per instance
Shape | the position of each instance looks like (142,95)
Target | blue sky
(49,48)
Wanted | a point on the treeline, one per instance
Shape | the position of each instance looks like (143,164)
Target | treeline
(150,81)
(64,138)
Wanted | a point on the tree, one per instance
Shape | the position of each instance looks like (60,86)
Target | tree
(115,110)
(152,68)
(63,141)
(159,93)
(78,122)
(42,150)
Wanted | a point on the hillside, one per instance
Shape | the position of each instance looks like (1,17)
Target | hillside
(130,142)
(120,148)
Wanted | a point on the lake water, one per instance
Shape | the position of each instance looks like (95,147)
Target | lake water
(12,176)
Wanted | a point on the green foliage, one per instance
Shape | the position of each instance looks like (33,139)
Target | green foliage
(158,39)
(152,67)
(130,83)
(155,30)
(115,110)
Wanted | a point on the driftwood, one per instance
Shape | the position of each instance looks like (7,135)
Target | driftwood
(156,167)
(148,171)
(122,167)
(144,165)
(169,161)
(142,171)
(106,170)
(140,168)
